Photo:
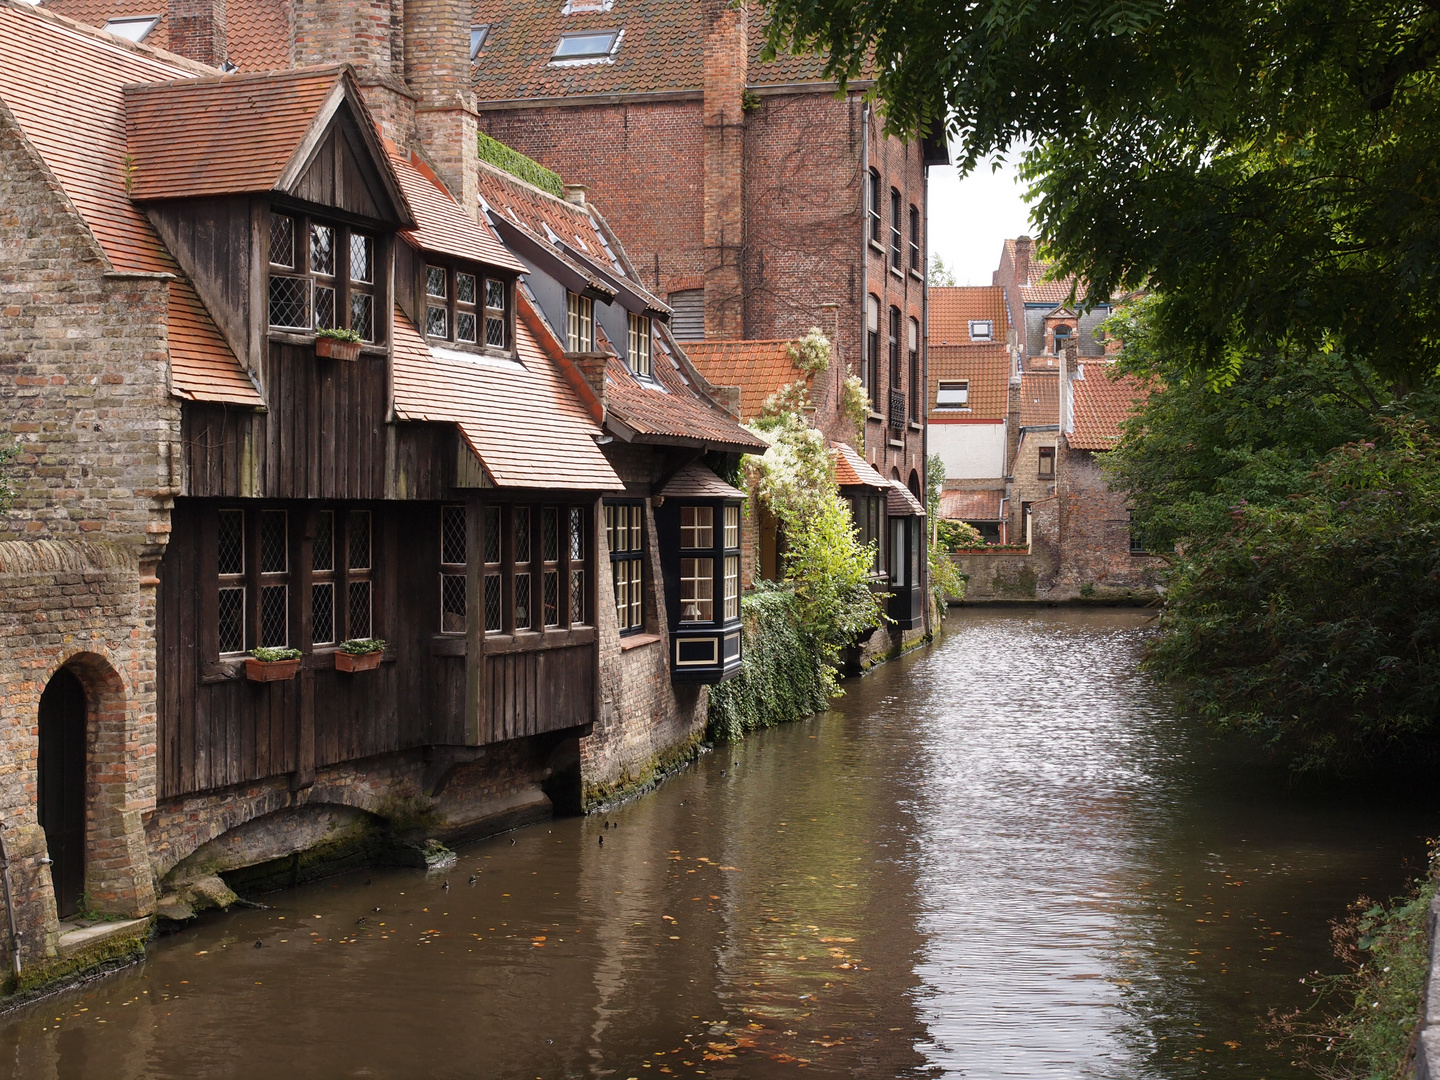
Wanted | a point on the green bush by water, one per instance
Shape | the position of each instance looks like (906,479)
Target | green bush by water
(783,675)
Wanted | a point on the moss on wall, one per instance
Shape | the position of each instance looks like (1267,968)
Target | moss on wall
(782,676)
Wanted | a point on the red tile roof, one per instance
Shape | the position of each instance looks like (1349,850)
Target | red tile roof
(63,83)
(1042,288)
(851,470)
(257,32)
(953,307)
(524,423)
(1103,400)
(1039,398)
(698,482)
(232,134)
(443,226)
(986,367)
(536,211)
(900,502)
(758,368)
(676,415)
(971,505)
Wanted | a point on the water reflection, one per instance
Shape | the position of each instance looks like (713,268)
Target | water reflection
(1001,857)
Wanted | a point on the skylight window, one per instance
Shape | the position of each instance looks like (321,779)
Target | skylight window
(981,330)
(478,34)
(136,28)
(586,46)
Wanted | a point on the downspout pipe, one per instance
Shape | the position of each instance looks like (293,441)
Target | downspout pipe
(10,904)
(865,262)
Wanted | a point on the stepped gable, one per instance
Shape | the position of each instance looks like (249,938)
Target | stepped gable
(64,84)
(758,368)
(1104,399)
(257,32)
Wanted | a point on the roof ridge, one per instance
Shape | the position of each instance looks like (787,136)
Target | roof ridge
(104,37)
(513,179)
(231,78)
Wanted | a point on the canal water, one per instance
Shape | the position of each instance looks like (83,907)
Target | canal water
(1001,856)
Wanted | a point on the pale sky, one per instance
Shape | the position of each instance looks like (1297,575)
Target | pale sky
(971,219)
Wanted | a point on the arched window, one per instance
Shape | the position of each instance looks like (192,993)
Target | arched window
(1062,338)
(914,370)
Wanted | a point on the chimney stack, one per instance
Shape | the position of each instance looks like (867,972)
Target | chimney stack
(1024,252)
(366,36)
(727,58)
(197,30)
(574,193)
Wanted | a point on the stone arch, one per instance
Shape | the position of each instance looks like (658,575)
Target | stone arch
(116,874)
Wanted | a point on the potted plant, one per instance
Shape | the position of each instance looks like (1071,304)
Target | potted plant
(359,654)
(272,665)
(337,344)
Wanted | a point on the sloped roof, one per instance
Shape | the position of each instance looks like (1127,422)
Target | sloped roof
(952,308)
(672,414)
(852,470)
(986,367)
(537,211)
(697,482)
(522,420)
(1103,400)
(63,83)
(758,368)
(257,32)
(901,502)
(232,134)
(971,505)
(441,225)
(1039,398)
(1042,288)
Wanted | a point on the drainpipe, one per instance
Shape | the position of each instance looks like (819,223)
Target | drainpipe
(9,904)
(864,258)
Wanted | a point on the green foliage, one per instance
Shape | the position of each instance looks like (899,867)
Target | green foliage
(854,402)
(934,485)
(1265,167)
(1313,623)
(811,353)
(269,656)
(957,535)
(336,333)
(517,164)
(362,646)
(940,274)
(1364,1019)
(783,674)
(7,487)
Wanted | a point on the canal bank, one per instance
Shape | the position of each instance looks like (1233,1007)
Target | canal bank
(1002,855)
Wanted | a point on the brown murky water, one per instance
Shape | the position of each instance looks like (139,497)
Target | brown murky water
(1004,856)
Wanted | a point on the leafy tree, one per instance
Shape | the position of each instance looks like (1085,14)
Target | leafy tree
(940,274)
(1268,168)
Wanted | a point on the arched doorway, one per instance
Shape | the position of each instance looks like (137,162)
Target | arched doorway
(61,786)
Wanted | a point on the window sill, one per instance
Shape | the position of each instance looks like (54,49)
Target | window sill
(876,249)
(878,418)
(897,272)
(915,425)
(897,444)
(536,640)
(634,641)
(917,275)
(285,337)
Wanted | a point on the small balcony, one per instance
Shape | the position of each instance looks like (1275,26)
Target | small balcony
(897,411)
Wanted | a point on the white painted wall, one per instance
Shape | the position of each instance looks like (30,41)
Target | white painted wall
(970,451)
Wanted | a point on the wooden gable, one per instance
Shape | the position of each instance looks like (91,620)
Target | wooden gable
(349,172)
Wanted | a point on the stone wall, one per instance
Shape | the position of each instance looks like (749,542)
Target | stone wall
(1427,1052)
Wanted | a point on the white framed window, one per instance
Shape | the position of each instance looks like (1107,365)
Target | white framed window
(135,28)
(697,590)
(732,586)
(586,45)
(478,34)
(697,526)
(639,354)
(953,394)
(579,323)
(982,330)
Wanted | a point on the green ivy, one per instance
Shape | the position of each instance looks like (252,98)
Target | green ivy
(783,675)
(517,164)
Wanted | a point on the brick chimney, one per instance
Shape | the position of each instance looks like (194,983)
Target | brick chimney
(726,61)
(437,71)
(197,30)
(368,35)
(1024,252)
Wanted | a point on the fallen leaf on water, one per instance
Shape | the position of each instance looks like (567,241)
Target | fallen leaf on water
(1232,1044)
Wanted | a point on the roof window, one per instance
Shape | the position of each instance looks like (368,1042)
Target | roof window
(478,34)
(981,330)
(134,28)
(589,45)
(581,7)
(953,395)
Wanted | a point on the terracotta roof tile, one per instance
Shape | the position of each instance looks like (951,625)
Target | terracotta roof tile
(851,470)
(524,423)
(971,505)
(953,307)
(443,225)
(986,367)
(1039,398)
(223,135)
(536,210)
(758,368)
(696,481)
(901,502)
(1042,288)
(63,83)
(674,412)
(257,32)
(1103,400)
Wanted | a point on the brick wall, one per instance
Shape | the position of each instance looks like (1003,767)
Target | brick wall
(726,61)
(197,30)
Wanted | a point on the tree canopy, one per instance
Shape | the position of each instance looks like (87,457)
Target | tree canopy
(1268,168)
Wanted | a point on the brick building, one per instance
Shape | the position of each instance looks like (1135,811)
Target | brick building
(503,477)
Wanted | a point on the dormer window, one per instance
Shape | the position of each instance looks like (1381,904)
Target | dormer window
(953,394)
(460,305)
(586,45)
(638,355)
(136,28)
(478,34)
(982,330)
(313,284)
(1062,338)
(579,323)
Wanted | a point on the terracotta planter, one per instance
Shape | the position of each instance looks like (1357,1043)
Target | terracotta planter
(336,349)
(345,661)
(271,670)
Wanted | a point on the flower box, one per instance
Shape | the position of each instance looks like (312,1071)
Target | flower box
(271,670)
(336,349)
(345,661)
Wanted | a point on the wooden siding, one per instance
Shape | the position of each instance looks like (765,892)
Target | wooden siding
(528,693)
(340,175)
